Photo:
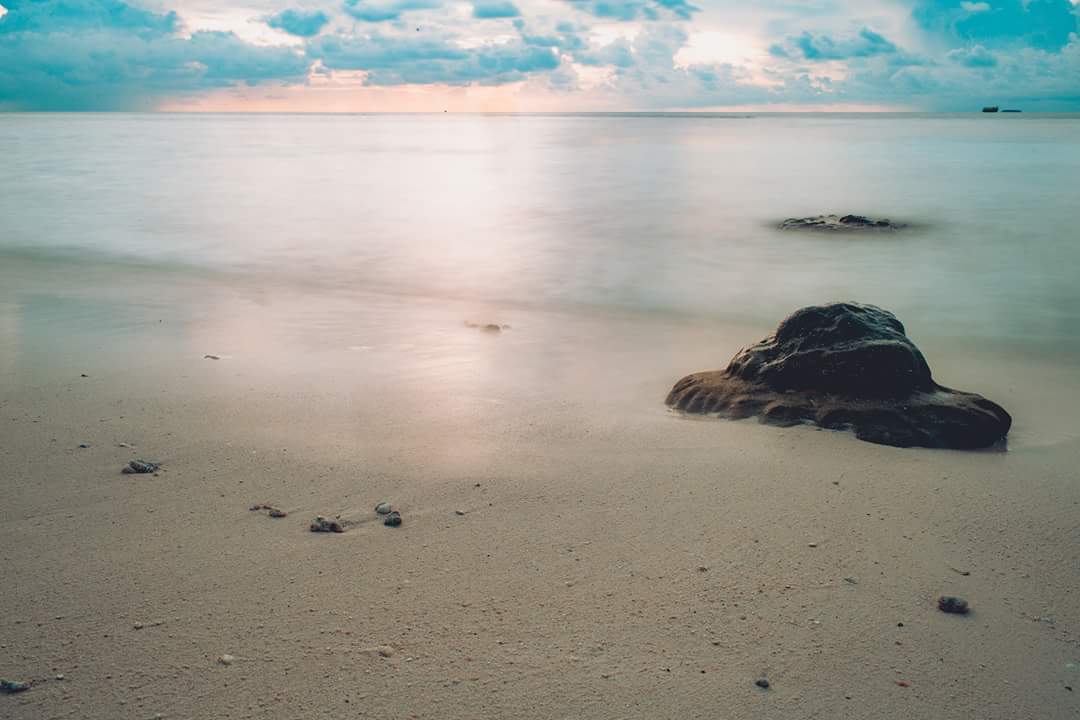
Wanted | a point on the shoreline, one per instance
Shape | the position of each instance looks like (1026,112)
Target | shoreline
(571,586)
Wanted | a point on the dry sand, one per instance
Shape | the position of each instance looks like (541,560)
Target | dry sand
(613,561)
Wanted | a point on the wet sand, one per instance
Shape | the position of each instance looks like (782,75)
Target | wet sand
(613,560)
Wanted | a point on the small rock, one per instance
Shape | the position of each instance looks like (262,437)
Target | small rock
(211,357)
(140,467)
(138,626)
(60,676)
(953,605)
(488,327)
(836,223)
(811,544)
(124,445)
(702,568)
(321,524)
(84,375)
(851,580)
(226,660)
(762,683)
(277,513)
(459,512)
(384,651)
(903,683)
(13,686)
(383,508)
(393,519)
(84,445)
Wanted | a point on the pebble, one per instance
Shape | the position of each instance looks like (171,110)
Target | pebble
(60,676)
(384,651)
(811,544)
(321,524)
(276,513)
(138,626)
(140,467)
(953,605)
(383,508)
(851,580)
(762,683)
(84,445)
(226,660)
(393,519)
(211,357)
(459,512)
(13,686)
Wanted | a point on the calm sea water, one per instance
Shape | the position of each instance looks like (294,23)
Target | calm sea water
(650,214)
(625,251)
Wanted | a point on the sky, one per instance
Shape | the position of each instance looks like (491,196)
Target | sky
(539,55)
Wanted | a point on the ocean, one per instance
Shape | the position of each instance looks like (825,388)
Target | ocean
(260,234)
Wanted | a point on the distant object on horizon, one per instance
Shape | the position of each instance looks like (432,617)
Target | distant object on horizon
(1012,111)
(990,108)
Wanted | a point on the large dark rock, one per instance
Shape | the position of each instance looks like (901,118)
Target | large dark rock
(842,366)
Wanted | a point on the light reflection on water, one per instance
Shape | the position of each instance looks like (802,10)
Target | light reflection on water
(653,214)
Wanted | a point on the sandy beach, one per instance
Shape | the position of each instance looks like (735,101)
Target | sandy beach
(570,548)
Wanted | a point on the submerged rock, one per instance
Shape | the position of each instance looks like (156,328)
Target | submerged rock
(488,327)
(840,223)
(141,467)
(845,366)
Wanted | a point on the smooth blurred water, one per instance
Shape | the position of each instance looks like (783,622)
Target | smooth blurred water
(640,214)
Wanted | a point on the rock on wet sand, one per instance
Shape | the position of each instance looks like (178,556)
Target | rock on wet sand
(845,366)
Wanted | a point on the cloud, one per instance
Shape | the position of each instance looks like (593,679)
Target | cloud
(108,55)
(386,10)
(595,54)
(494,9)
(975,57)
(401,60)
(299,22)
(80,15)
(814,47)
(1041,24)
(635,9)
